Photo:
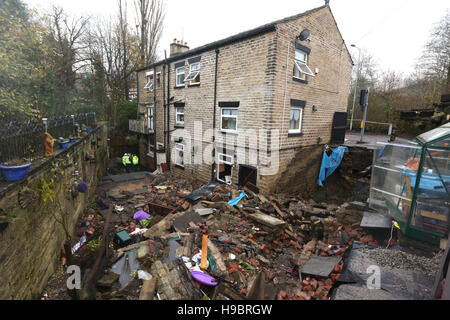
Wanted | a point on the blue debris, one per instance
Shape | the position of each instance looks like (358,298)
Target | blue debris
(331,163)
(237,200)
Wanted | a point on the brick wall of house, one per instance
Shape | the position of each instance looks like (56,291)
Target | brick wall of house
(253,72)
(328,91)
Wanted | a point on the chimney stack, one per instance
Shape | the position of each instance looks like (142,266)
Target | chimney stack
(177,47)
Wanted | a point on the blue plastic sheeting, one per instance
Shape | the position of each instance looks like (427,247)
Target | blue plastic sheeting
(331,163)
(237,200)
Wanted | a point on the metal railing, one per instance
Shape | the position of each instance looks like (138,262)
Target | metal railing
(26,139)
(139,126)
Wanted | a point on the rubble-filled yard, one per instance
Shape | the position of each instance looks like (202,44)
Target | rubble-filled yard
(158,237)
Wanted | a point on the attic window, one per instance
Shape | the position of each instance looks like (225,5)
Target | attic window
(150,82)
(194,73)
(301,69)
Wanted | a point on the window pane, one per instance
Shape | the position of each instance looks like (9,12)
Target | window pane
(300,55)
(229,112)
(180,79)
(229,123)
(195,67)
(295,119)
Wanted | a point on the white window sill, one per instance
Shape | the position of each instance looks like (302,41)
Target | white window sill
(229,131)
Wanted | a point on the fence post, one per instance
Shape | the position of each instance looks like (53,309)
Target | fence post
(45,121)
(390,130)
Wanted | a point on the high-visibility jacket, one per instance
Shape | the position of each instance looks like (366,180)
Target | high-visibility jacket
(126,159)
(135,160)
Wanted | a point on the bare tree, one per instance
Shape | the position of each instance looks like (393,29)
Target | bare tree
(65,37)
(149,25)
(434,63)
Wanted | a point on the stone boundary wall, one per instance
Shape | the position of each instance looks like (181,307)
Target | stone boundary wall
(30,245)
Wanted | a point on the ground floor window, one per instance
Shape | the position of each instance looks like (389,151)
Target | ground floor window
(296,120)
(224,168)
(179,155)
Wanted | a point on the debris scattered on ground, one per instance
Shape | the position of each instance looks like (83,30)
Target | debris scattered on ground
(176,238)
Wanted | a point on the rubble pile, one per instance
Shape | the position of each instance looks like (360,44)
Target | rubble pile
(227,244)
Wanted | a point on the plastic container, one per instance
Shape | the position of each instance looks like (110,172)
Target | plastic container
(15,173)
(64,144)
(72,140)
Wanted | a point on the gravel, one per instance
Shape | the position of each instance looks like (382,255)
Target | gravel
(401,260)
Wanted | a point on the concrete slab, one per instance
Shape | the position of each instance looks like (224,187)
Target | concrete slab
(361,292)
(124,177)
(396,283)
(182,223)
(320,266)
(376,221)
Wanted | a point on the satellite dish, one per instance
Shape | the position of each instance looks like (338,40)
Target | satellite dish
(304,35)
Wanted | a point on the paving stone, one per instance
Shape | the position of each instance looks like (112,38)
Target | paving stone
(320,266)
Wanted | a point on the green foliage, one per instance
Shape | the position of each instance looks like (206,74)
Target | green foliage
(46,191)
(126,110)
(146,222)
(94,245)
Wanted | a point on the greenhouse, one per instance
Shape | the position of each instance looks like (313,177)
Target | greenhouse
(411,182)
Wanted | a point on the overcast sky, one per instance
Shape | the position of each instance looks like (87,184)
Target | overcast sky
(393,31)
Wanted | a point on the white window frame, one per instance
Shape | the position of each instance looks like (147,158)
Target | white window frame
(177,109)
(230,162)
(194,72)
(151,149)
(302,66)
(179,147)
(151,120)
(150,82)
(300,124)
(177,73)
(228,116)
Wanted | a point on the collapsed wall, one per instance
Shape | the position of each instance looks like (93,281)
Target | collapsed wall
(42,209)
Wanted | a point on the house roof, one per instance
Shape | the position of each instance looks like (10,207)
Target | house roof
(236,38)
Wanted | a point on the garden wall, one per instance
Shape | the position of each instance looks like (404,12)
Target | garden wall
(40,208)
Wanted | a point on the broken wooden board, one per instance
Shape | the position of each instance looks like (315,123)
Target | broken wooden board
(217,257)
(268,221)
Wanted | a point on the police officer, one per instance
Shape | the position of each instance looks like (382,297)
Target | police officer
(135,160)
(126,161)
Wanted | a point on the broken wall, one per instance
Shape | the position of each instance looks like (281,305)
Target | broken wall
(30,246)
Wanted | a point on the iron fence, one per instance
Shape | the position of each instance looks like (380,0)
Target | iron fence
(20,140)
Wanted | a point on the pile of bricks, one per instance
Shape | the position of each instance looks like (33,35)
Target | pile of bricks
(273,235)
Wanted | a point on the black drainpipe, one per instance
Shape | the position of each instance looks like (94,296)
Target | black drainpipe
(164,102)
(154,115)
(213,176)
(168,111)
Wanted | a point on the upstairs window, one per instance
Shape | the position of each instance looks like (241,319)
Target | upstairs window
(150,82)
(229,119)
(179,112)
(194,73)
(301,69)
(180,73)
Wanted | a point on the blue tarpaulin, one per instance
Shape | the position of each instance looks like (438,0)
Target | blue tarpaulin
(237,200)
(331,163)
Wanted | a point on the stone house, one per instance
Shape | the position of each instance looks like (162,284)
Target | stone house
(257,107)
